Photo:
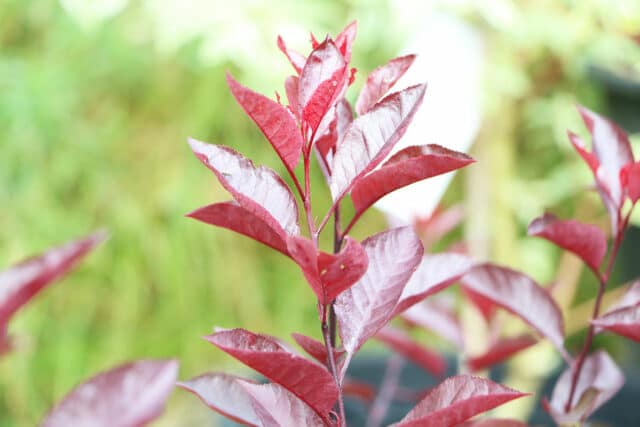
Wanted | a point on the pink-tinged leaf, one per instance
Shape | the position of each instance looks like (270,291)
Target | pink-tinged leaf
(520,295)
(439,224)
(435,273)
(500,351)
(363,309)
(308,380)
(321,81)
(630,177)
(403,344)
(315,348)
(585,240)
(456,400)
(485,306)
(631,297)
(371,137)
(623,321)
(129,395)
(600,379)
(495,422)
(328,274)
(296,59)
(291,89)
(234,217)
(275,406)
(437,319)
(380,81)
(327,142)
(344,40)
(589,158)
(224,394)
(257,189)
(409,165)
(23,281)
(275,121)
(358,389)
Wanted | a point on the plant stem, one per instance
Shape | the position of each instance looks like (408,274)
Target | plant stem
(602,285)
(337,245)
(332,363)
(387,390)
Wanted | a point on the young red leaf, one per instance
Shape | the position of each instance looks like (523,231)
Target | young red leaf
(23,281)
(275,121)
(380,81)
(234,217)
(500,351)
(308,380)
(584,240)
(623,321)
(600,379)
(409,165)
(326,143)
(435,273)
(437,319)
(291,89)
(224,394)
(630,177)
(130,395)
(371,137)
(363,309)
(520,295)
(296,59)
(328,274)
(456,400)
(316,349)
(275,406)
(257,189)
(321,81)
(403,344)
(344,40)
(485,306)
(433,228)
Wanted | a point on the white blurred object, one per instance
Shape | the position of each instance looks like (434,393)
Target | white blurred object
(91,13)
(450,59)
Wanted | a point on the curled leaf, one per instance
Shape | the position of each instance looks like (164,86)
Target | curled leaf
(585,240)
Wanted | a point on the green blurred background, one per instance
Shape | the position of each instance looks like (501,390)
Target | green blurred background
(97,100)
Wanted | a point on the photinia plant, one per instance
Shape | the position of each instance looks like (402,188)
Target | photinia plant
(359,286)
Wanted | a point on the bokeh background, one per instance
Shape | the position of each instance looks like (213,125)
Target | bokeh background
(97,100)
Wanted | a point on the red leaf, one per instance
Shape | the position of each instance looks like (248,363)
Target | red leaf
(630,176)
(230,215)
(435,273)
(363,309)
(402,343)
(520,295)
(623,321)
(295,58)
(439,224)
(358,389)
(410,165)
(275,121)
(344,40)
(457,399)
(501,351)
(381,80)
(291,89)
(326,143)
(329,275)
(600,379)
(308,380)
(584,240)
(631,297)
(485,306)
(321,81)
(590,159)
(316,349)
(276,406)
(436,319)
(23,281)
(371,137)
(224,394)
(257,189)
(129,395)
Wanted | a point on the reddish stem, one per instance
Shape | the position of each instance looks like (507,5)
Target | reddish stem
(603,279)
(332,363)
